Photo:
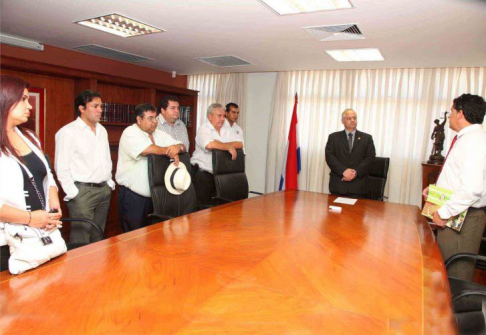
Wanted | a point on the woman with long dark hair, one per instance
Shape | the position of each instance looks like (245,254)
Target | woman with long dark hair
(28,192)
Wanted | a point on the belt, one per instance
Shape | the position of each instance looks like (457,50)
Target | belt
(91,184)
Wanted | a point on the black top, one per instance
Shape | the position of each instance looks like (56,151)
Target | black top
(38,170)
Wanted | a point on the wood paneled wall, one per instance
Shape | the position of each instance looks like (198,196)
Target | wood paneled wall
(71,59)
(59,109)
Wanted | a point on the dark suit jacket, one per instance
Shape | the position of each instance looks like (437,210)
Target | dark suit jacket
(339,159)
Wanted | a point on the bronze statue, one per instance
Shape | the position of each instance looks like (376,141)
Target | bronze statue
(438,136)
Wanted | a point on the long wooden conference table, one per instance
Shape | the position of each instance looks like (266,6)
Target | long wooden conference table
(279,263)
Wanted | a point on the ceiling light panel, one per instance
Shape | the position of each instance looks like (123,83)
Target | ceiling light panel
(356,55)
(287,7)
(119,25)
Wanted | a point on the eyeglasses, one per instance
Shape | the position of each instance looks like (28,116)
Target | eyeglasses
(150,118)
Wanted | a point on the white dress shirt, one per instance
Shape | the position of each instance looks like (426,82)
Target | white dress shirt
(464,172)
(205,135)
(236,131)
(82,155)
(178,131)
(132,168)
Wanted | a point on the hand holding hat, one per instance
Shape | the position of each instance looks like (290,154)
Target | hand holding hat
(177,178)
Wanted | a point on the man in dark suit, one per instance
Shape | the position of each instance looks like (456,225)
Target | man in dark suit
(349,154)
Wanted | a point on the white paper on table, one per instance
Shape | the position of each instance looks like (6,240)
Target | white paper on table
(347,201)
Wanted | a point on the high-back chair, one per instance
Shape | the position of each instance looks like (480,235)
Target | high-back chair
(229,176)
(166,204)
(377,178)
(468,300)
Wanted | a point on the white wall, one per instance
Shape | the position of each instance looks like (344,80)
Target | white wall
(258,105)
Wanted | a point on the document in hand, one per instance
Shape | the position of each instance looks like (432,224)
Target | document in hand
(436,198)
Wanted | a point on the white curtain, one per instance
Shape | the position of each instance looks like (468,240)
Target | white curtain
(222,88)
(396,106)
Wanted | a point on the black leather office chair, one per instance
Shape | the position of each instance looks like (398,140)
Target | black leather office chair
(468,300)
(94,227)
(166,204)
(377,178)
(229,176)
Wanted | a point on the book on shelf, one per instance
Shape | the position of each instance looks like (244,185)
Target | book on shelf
(117,113)
(436,198)
(185,115)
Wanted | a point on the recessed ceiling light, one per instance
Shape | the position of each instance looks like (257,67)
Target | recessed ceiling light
(286,7)
(119,25)
(356,55)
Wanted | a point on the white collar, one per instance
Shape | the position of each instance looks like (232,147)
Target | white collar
(82,125)
(468,129)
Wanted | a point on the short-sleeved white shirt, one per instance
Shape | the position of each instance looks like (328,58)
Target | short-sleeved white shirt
(236,131)
(132,169)
(205,135)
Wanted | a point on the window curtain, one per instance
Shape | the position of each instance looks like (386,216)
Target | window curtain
(396,106)
(222,88)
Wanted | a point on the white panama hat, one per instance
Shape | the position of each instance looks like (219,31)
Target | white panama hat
(177,178)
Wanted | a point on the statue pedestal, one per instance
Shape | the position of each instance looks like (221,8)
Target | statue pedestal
(436,159)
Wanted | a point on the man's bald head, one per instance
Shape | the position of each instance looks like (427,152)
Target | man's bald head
(349,119)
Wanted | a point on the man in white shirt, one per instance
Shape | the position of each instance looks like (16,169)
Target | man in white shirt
(83,166)
(232,114)
(137,141)
(464,173)
(211,135)
(168,120)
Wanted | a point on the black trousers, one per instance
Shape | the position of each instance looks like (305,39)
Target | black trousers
(205,187)
(133,209)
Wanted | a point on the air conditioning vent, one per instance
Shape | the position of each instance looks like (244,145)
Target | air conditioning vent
(223,61)
(112,53)
(342,32)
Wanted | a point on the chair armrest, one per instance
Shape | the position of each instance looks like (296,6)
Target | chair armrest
(464,255)
(468,293)
(94,225)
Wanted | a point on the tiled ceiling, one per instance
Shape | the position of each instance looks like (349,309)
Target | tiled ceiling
(409,33)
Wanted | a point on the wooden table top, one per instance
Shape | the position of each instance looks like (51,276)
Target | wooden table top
(279,263)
